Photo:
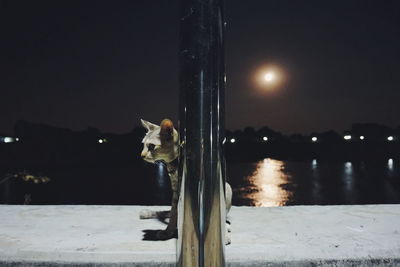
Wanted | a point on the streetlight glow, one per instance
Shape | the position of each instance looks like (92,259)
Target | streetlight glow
(314,139)
(362,137)
(347,137)
(8,139)
(233,140)
(265,138)
(390,138)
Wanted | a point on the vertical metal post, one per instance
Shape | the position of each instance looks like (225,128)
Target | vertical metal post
(201,210)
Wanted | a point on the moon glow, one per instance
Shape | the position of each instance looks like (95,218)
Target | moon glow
(269,76)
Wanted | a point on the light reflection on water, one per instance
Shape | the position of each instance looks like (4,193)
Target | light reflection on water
(314,164)
(348,181)
(348,175)
(390,164)
(315,181)
(269,179)
(271,182)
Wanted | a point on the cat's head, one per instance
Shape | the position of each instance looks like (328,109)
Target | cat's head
(160,142)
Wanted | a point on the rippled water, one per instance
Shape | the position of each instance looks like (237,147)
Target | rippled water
(271,182)
(268,182)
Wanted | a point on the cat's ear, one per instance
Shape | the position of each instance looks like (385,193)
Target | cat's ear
(167,129)
(148,125)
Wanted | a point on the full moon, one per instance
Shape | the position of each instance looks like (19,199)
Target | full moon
(269,76)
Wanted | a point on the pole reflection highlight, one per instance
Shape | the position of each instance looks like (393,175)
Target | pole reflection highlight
(161,181)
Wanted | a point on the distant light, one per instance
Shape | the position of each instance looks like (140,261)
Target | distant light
(265,138)
(17,139)
(390,138)
(314,139)
(362,137)
(347,137)
(101,141)
(233,140)
(8,139)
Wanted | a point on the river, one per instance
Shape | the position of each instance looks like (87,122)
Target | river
(268,182)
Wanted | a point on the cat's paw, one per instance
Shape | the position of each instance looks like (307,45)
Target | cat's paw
(165,235)
(227,232)
(159,235)
(147,214)
(228,240)
(228,227)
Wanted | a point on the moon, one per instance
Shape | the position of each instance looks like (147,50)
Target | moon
(269,76)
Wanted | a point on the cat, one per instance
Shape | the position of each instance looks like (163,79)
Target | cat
(161,143)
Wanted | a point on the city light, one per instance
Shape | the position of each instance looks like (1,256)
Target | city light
(390,138)
(8,139)
(314,139)
(233,140)
(101,141)
(362,137)
(347,137)
(265,138)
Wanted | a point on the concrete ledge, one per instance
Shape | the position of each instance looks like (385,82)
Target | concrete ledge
(367,235)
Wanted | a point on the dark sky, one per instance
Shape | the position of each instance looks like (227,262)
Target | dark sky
(106,64)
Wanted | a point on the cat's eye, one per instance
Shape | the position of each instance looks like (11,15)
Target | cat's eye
(151,147)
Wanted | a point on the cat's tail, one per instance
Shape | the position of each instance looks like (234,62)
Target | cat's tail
(151,214)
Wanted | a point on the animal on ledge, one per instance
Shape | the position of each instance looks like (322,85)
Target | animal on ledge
(161,144)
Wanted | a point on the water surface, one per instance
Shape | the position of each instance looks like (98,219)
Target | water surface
(268,182)
(271,182)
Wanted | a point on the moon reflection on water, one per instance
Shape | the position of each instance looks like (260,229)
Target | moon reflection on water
(270,180)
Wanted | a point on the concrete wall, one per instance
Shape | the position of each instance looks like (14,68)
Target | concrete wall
(367,235)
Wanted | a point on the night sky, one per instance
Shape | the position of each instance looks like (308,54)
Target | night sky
(106,64)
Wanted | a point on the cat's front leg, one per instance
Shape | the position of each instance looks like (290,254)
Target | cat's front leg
(171,230)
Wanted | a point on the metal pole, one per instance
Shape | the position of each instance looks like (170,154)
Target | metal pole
(201,210)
